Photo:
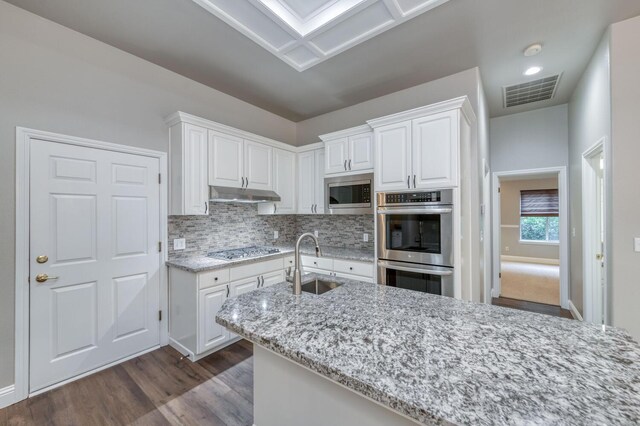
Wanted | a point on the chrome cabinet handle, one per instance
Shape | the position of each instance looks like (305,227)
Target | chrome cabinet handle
(206,207)
(227,290)
(262,281)
(349,164)
(247,179)
(408,184)
(345,164)
(275,209)
(414,181)
(258,282)
(242,182)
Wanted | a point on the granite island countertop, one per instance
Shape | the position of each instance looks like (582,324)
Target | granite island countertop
(199,263)
(440,360)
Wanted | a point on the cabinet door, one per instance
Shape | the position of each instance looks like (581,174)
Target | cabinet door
(319,181)
(360,152)
(225,160)
(306,182)
(393,156)
(284,173)
(336,156)
(244,286)
(211,334)
(273,278)
(194,170)
(258,165)
(435,150)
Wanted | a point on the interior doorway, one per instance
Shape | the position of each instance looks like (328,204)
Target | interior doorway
(531,240)
(594,233)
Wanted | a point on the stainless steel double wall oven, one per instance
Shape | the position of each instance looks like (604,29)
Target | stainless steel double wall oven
(415,240)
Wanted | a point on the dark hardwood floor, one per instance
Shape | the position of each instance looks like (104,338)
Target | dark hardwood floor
(540,308)
(153,389)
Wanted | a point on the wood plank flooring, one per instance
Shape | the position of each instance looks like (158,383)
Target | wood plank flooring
(153,389)
(540,308)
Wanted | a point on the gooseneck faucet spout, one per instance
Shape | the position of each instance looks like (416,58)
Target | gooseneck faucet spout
(297,272)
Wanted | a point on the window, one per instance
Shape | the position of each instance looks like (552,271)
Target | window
(539,215)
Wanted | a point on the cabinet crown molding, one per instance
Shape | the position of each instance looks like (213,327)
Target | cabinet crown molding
(365,128)
(461,103)
(183,117)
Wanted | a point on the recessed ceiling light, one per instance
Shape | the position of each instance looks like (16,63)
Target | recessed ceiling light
(532,71)
(533,50)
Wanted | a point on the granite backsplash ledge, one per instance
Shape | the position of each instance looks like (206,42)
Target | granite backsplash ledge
(239,225)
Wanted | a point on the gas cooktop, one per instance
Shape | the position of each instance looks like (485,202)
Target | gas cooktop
(241,253)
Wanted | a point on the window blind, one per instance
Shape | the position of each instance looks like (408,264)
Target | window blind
(539,202)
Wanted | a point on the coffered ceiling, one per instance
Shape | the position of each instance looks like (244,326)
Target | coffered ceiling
(182,36)
(304,33)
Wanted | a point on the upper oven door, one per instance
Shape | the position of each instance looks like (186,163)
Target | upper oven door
(349,195)
(416,234)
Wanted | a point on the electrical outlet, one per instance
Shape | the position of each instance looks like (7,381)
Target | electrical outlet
(179,244)
(315,233)
(506,248)
(275,235)
(365,237)
(573,232)
(636,244)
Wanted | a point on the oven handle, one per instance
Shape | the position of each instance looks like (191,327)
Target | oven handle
(394,265)
(428,210)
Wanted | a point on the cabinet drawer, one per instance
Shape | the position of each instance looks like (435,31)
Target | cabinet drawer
(210,278)
(353,267)
(255,269)
(317,262)
(354,277)
(289,261)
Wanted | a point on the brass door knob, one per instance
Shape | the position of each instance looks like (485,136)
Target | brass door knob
(42,259)
(44,277)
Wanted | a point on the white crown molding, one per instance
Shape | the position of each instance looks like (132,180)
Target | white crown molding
(365,128)
(310,147)
(461,103)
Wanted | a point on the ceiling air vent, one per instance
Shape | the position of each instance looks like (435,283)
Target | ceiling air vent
(532,91)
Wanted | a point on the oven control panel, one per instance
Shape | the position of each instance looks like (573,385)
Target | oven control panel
(413,197)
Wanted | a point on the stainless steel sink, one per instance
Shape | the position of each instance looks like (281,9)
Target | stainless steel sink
(319,286)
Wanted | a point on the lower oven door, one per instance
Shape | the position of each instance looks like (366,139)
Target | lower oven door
(411,276)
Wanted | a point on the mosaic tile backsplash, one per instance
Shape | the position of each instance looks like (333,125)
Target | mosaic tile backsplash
(239,225)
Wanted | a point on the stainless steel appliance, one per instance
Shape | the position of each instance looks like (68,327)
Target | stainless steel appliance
(415,240)
(349,194)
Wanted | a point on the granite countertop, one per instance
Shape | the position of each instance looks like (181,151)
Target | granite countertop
(201,263)
(438,360)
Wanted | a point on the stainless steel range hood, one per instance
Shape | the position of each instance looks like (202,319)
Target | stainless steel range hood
(223,194)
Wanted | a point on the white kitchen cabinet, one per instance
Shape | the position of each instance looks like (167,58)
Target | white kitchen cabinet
(189,190)
(393,156)
(352,269)
(348,151)
(420,148)
(244,286)
(272,278)
(258,165)
(239,163)
(284,184)
(210,333)
(435,150)
(226,160)
(311,182)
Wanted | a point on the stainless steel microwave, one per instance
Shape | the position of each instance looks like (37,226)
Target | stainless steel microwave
(349,194)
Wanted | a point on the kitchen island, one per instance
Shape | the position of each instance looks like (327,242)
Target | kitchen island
(428,359)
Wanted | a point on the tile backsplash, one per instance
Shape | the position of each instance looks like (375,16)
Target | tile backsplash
(239,225)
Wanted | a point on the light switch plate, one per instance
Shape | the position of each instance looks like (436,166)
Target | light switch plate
(275,235)
(365,237)
(636,244)
(179,244)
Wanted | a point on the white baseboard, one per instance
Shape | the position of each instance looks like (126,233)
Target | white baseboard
(574,311)
(7,396)
(506,258)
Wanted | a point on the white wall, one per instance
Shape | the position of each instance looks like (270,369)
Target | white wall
(590,120)
(625,182)
(55,79)
(530,140)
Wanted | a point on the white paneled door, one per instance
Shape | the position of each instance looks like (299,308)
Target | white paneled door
(95,266)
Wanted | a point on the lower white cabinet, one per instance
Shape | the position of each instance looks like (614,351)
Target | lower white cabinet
(196,298)
(351,269)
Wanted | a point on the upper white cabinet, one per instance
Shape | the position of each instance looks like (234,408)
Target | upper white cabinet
(311,181)
(189,190)
(419,149)
(239,163)
(284,184)
(348,151)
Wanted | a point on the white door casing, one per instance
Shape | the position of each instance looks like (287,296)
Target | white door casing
(96,215)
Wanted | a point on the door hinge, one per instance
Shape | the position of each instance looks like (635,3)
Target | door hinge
(159,246)
(159,315)
(500,275)
(498,189)
(159,178)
